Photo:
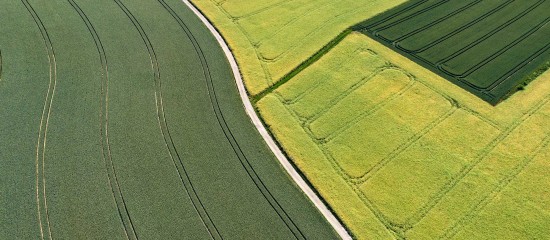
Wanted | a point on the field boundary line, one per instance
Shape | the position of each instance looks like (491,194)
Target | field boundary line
(291,171)
(321,80)
(305,64)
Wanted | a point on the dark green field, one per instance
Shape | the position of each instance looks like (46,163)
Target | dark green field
(120,119)
(488,47)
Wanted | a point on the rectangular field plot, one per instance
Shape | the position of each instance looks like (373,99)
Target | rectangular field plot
(486,47)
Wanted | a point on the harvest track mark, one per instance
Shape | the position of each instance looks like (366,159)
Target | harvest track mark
(377,107)
(231,138)
(163,125)
(435,5)
(354,87)
(0,66)
(417,217)
(266,8)
(457,31)
(378,214)
(44,122)
(293,20)
(437,21)
(116,191)
(313,31)
(269,78)
(318,82)
(502,184)
(493,56)
(400,149)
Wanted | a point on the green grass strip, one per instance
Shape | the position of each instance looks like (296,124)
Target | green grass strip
(305,64)
(534,75)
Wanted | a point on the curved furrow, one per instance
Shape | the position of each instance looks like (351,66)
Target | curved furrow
(489,34)
(228,133)
(456,31)
(497,53)
(116,191)
(161,117)
(40,183)
(0,66)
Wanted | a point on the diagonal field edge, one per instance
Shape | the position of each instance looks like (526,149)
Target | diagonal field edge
(296,177)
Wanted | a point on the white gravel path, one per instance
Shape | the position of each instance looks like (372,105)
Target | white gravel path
(338,227)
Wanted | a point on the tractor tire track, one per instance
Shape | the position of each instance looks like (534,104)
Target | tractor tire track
(161,117)
(228,133)
(116,191)
(40,183)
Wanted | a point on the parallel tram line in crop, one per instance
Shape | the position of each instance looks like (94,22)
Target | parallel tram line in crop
(163,125)
(353,88)
(320,81)
(376,108)
(502,184)
(493,56)
(283,215)
(418,216)
(396,14)
(264,9)
(263,64)
(0,66)
(40,184)
(456,31)
(112,178)
(437,21)
(400,149)
(408,17)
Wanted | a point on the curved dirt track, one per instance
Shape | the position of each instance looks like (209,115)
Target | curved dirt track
(147,134)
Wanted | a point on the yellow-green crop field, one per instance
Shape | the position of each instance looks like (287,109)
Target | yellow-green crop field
(397,151)
(270,38)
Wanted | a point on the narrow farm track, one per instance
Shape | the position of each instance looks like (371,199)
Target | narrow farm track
(148,137)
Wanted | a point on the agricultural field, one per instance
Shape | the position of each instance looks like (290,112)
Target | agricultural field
(271,37)
(121,120)
(486,47)
(399,152)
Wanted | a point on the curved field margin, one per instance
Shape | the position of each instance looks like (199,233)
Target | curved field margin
(265,134)
(147,137)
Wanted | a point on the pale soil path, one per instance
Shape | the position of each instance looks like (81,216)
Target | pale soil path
(292,172)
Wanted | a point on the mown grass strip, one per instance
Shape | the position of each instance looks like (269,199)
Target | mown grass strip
(305,64)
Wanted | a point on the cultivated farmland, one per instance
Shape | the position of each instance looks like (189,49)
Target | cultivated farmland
(396,150)
(486,47)
(121,120)
(399,152)
(271,37)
